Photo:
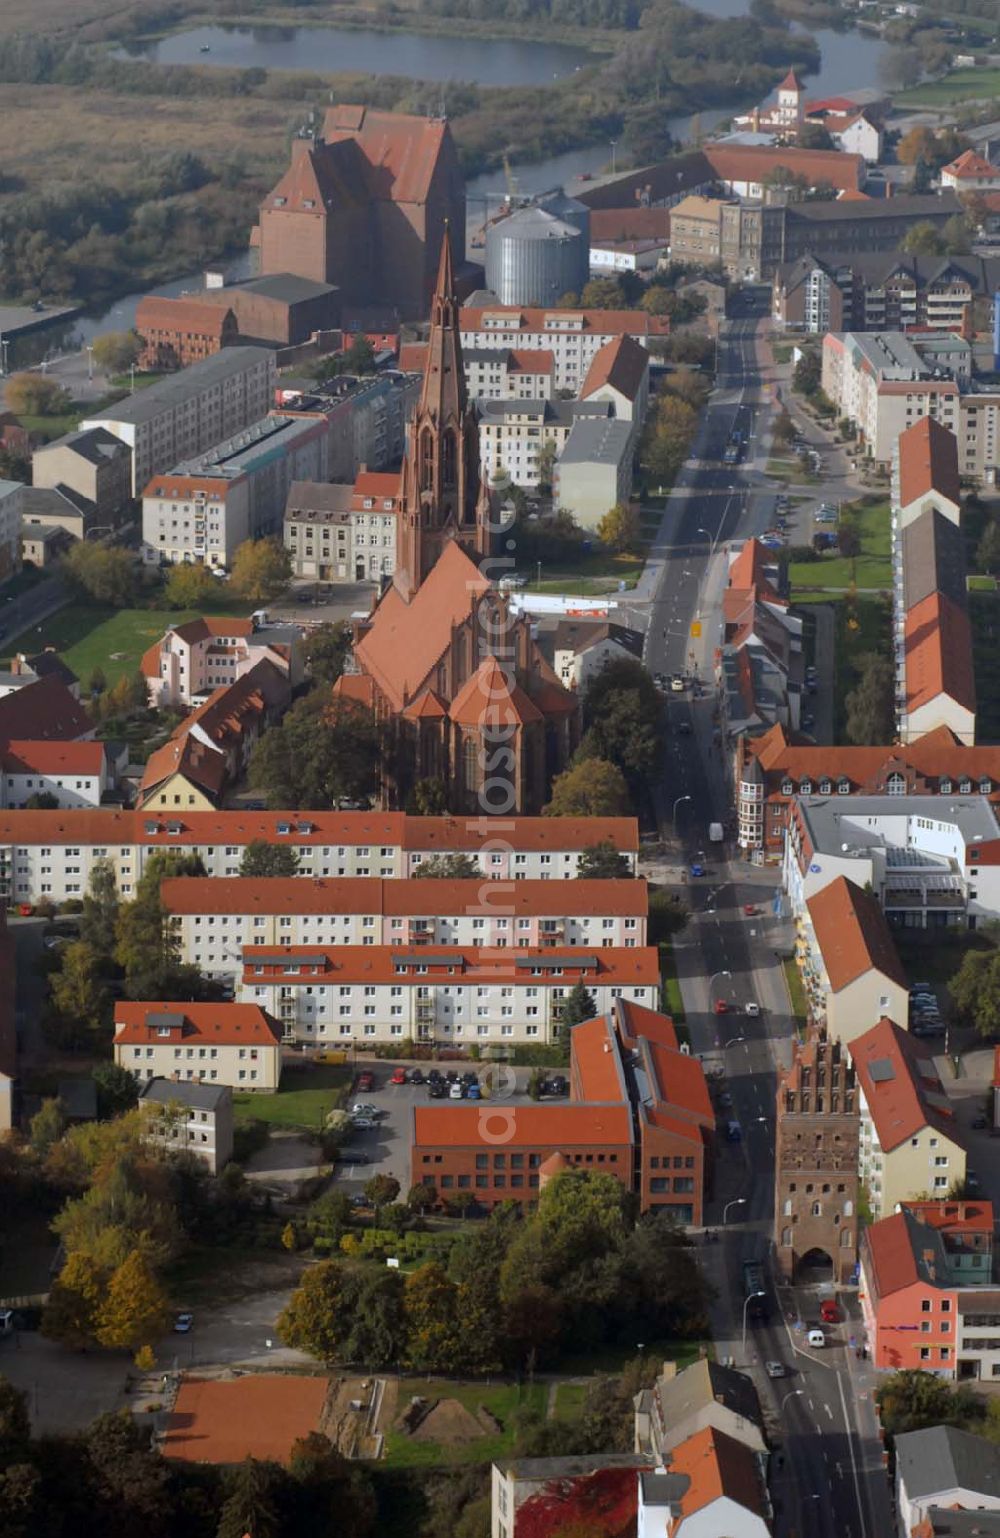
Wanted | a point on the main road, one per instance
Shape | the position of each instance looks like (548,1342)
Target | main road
(827,1477)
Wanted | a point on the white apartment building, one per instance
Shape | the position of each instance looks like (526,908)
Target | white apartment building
(187,412)
(493,374)
(207,653)
(202,509)
(51,854)
(511,433)
(76,773)
(218,920)
(10,528)
(574,337)
(190,1117)
(235,1044)
(343,533)
(458,995)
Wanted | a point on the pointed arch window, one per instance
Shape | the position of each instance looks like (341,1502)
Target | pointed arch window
(426,459)
(447,461)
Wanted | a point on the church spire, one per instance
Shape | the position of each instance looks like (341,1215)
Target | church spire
(440,494)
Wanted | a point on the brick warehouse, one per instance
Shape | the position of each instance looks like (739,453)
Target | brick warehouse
(816,1162)
(639,1109)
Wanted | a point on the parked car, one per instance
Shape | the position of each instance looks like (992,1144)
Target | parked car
(775,1369)
(457,1090)
(416,1076)
(721,1007)
(696,869)
(438,1090)
(980,1123)
(829,1312)
(365,1082)
(684,727)
(363,1124)
(364,1108)
(816,1338)
(350,1156)
(557,1085)
(473,1092)
(183,1323)
(752,1009)
(398,1076)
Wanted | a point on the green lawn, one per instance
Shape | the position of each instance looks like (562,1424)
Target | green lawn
(861,627)
(501,1399)
(673,1002)
(304,1099)
(90,635)
(611,1359)
(570,1399)
(872,569)
(981,584)
(796,992)
(959,85)
(790,471)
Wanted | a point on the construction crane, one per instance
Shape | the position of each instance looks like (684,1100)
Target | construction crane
(509,177)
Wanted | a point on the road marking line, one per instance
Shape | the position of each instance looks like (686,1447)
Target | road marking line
(850,1449)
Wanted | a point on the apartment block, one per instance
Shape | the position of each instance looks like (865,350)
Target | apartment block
(217,920)
(574,337)
(858,291)
(638,1109)
(185,1116)
(92,464)
(203,509)
(186,413)
(909,1144)
(513,432)
(77,774)
(11,493)
(343,533)
(850,967)
(452,995)
(235,1044)
(204,654)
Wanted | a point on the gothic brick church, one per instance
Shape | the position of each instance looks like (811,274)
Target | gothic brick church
(472,700)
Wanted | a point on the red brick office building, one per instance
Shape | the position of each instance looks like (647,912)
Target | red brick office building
(638,1109)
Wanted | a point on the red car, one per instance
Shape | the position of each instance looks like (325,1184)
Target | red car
(398,1076)
(829,1312)
(721,1007)
(364,1082)
(749,909)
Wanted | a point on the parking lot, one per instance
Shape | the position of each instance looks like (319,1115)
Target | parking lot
(385,1147)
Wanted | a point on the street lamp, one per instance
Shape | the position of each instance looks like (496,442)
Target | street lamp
(795,1393)
(737,1201)
(734,1041)
(676,805)
(711,980)
(760,1293)
(711,537)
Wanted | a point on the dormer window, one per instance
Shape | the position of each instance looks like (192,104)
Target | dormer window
(284,827)
(843,786)
(787,788)
(985,786)
(805,789)
(824,787)
(945,787)
(965,787)
(895,785)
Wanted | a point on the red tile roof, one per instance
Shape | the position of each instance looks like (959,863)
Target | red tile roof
(27,757)
(357,687)
(427,706)
(394,898)
(556,1126)
(492,693)
(404,641)
(892,1259)
(791,82)
(937,641)
(897,1099)
(402,151)
(629,224)
(594,1056)
(45,711)
(412,357)
(936,755)
(718,1467)
(970,167)
(928,461)
(746,163)
(635,966)
(202,766)
(169,485)
(237,1025)
(234,709)
(853,935)
(425,835)
(381,485)
(622,363)
(954,1216)
(528,318)
(531,360)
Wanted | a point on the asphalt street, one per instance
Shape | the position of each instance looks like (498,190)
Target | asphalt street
(828,1478)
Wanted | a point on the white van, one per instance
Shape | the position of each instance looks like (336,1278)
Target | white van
(816,1338)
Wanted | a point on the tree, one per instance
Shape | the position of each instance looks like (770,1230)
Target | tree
(667,915)
(42,801)
(116,351)
(80,995)
(147,945)
(603,862)
(602,294)
(592,788)
(975,990)
(428,798)
(262,569)
(421,1197)
(126,1473)
(46,1126)
(100,911)
(15,1424)
(623,714)
(117,1091)
(848,539)
(70,1312)
(668,436)
(134,1309)
(96,683)
(449,867)
(912,1400)
(430,1301)
(326,650)
(250,1509)
(324,751)
(620,528)
(263,859)
(191,586)
(871,704)
(378,1320)
(957,234)
(548,453)
(102,573)
(813,136)
(922,239)
(807,374)
(988,549)
(380,1191)
(901,67)
(359,358)
(580,1005)
(36,395)
(317,1318)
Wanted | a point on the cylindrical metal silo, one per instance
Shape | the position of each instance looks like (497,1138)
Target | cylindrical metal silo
(569,210)
(534,258)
